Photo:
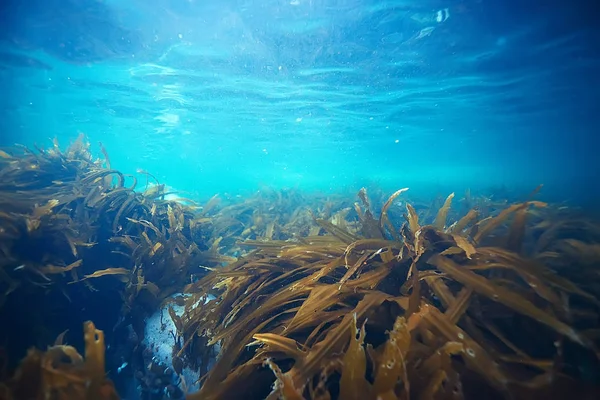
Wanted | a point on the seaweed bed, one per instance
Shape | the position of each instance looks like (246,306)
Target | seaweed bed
(319,299)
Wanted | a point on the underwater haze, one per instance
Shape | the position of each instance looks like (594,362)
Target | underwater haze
(317,95)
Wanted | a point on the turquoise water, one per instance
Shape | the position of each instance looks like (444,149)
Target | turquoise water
(315,95)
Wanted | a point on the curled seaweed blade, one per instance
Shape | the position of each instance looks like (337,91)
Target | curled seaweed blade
(62,373)
(493,223)
(52,269)
(339,218)
(284,385)
(517,229)
(456,310)
(105,154)
(336,231)
(362,195)
(391,366)
(475,356)
(122,273)
(464,221)
(413,219)
(452,250)
(171,217)
(442,380)
(384,219)
(94,352)
(539,278)
(211,204)
(320,297)
(359,211)
(585,253)
(505,296)
(369,225)
(333,341)
(353,385)
(60,338)
(280,344)
(535,191)
(440,219)
(464,245)
(365,258)
(414,300)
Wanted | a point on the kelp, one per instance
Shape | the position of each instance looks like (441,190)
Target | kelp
(73,200)
(270,215)
(486,299)
(62,373)
(503,295)
(434,310)
(73,228)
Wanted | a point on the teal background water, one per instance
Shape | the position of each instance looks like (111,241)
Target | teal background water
(229,96)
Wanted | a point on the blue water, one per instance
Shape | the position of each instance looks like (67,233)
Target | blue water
(229,96)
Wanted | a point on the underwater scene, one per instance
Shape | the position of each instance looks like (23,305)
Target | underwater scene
(299,199)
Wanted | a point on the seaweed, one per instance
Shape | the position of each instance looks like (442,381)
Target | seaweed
(84,199)
(322,302)
(294,307)
(62,373)
(72,228)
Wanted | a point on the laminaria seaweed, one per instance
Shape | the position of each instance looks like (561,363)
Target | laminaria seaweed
(335,301)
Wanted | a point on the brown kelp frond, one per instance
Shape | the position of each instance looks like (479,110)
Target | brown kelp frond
(62,373)
(384,220)
(269,215)
(433,307)
(370,227)
(500,294)
(69,221)
(440,219)
(319,299)
(495,222)
(390,365)
(353,382)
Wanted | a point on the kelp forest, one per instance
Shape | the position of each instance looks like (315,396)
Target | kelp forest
(286,296)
